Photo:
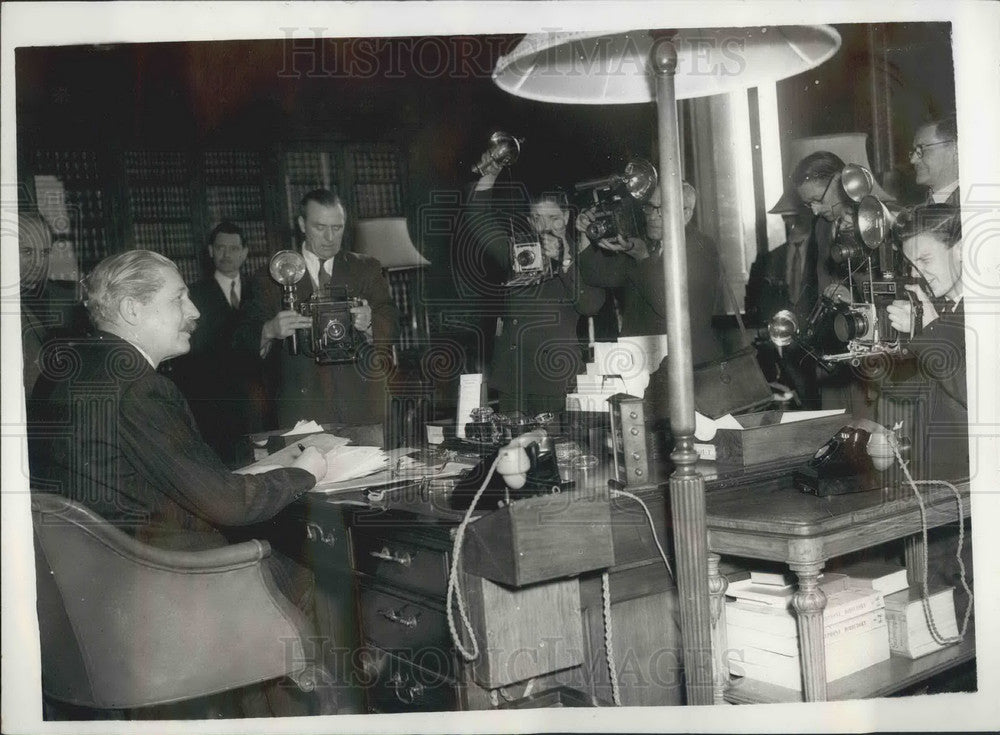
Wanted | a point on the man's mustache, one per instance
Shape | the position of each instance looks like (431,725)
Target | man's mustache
(189,326)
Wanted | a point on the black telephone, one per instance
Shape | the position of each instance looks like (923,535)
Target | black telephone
(527,467)
(843,465)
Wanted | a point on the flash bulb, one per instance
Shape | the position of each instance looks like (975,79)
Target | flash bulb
(782,328)
(287,267)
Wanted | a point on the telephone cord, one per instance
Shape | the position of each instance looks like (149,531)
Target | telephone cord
(616,695)
(925,596)
(454,589)
(652,527)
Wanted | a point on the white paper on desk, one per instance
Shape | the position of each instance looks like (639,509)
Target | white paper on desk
(348,462)
(470,393)
(790,417)
(411,471)
(705,428)
(304,427)
(286,455)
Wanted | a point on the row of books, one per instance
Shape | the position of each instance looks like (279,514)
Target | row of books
(870,613)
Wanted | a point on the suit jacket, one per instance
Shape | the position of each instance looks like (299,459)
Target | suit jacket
(936,371)
(537,351)
(643,300)
(767,287)
(219,379)
(350,393)
(117,436)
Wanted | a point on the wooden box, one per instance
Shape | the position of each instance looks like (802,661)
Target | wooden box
(764,439)
(541,538)
(526,632)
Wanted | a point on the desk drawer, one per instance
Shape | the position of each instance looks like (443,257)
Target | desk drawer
(399,686)
(408,629)
(401,563)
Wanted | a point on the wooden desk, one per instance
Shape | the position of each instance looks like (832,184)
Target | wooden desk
(778,523)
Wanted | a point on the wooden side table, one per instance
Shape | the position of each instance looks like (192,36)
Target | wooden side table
(776,522)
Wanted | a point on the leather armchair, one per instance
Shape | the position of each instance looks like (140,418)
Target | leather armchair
(126,625)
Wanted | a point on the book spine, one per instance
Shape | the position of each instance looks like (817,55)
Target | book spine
(739,637)
(783,622)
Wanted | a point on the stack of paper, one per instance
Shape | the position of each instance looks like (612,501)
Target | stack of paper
(762,631)
(618,367)
(909,630)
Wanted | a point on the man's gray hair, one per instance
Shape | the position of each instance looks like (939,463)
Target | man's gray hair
(136,274)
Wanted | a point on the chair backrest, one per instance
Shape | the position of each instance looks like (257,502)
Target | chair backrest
(126,625)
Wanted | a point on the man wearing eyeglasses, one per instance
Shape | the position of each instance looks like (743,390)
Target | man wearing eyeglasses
(351,394)
(935,160)
(634,269)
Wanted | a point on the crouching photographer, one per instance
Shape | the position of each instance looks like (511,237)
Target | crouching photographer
(933,369)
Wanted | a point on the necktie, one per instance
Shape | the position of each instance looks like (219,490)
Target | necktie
(234,298)
(795,273)
(324,275)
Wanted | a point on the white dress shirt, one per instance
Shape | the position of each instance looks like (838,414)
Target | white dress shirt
(313,266)
(225,283)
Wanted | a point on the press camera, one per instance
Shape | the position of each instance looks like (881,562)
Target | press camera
(871,254)
(614,203)
(333,337)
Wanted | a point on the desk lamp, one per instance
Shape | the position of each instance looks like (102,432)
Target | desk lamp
(663,66)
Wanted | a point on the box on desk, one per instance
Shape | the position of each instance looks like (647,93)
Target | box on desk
(735,386)
(541,538)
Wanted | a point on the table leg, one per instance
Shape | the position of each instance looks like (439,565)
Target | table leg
(717,604)
(809,601)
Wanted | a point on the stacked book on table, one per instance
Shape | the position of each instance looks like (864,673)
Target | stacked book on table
(870,612)
(763,641)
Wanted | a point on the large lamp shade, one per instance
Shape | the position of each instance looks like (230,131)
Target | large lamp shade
(595,68)
(388,240)
(663,66)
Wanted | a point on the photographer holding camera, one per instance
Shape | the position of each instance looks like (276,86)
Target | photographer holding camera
(632,266)
(352,393)
(536,351)
(931,239)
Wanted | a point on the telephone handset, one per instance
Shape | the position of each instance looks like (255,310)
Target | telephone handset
(526,466)
(849,463)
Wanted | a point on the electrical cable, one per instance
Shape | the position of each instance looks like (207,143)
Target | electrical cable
(652,528)
(616,695)
(925,592)
(454,589)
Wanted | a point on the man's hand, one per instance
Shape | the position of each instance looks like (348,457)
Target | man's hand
(489,177)
(312,461)
(284,325)
(901,312)
(362,317)
(552,246)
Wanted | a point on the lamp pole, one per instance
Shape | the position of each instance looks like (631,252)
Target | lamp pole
(687,487)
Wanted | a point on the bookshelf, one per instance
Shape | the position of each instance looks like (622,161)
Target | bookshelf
(86,199)
(235,191)
(160,207)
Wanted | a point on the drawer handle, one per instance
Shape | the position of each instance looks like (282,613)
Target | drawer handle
(396,617)
(403,558)
(405,693)
(315,532)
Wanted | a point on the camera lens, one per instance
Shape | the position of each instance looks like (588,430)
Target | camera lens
(335,330)
(600,228)
(841,252)
(850,325)
(525,258)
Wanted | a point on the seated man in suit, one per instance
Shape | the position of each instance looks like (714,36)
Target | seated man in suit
(115,435)
(222,384)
